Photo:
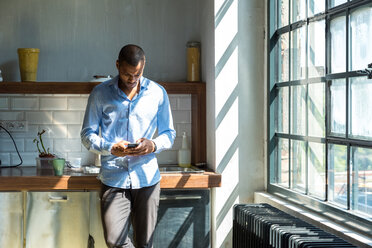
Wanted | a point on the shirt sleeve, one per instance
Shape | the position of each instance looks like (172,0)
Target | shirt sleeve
(166,132)
(90,130)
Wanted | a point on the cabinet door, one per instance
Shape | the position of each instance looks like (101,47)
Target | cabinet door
(11,219)
(57,219)
(183,219)
(96,228)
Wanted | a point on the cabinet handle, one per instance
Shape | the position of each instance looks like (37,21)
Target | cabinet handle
(191,197)
(58,198)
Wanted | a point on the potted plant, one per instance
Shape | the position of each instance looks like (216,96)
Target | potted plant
(43,161)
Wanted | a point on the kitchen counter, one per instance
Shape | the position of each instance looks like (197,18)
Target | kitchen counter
(28,178)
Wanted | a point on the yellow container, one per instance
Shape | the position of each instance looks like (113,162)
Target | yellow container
(28,60)
(193,61)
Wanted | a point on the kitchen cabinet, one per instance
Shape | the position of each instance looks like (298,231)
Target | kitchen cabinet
(57,219)
(95,223)
(183,219)
(11,219)
(68,219)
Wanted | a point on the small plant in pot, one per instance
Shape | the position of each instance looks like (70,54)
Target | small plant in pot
(44,155)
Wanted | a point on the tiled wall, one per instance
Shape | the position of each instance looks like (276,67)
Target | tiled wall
(61,116)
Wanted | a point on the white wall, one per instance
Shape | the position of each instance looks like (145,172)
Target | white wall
(79,39)
(236,100)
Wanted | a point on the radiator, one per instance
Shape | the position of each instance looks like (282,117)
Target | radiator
(263,226)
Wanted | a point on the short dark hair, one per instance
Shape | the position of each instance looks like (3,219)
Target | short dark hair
(131,54)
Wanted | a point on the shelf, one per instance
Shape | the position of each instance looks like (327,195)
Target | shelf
(196,89)
(86,87)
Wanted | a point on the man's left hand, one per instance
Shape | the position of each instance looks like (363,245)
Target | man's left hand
(145,146)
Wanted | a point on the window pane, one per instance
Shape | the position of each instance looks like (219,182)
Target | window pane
(298,110)
(338,44)
(316,49)
(338,107)
(283,110)
(298,8)
(337,174)
(298,162)
(333,3)
(316,170)
(283,12)
(283,163)
(283,60)
(360,38)
(361,107)
(273,17)
(316,110)
(298,56)
(361,190)
(316,6)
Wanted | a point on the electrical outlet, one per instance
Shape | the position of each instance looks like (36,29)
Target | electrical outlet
(14,126)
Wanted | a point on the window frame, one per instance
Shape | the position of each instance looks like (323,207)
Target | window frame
(324,207)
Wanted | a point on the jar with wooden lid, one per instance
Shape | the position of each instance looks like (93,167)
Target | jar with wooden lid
(193,61)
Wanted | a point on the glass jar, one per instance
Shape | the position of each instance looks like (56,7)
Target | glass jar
(193,61)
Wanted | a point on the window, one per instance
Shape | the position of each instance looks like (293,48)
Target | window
(320,104)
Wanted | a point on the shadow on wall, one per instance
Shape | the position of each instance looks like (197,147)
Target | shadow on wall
(226,118)
(9,70)
(239,110)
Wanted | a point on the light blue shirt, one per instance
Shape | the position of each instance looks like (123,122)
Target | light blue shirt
(119,118)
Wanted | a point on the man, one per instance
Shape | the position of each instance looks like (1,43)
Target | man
(128,109)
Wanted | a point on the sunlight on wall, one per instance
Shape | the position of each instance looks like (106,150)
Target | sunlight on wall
(226,118)
(226,81)
(226,134)
(226,28)
(218,5)
(227,196)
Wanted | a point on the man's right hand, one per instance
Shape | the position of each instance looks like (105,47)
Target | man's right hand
(119,149)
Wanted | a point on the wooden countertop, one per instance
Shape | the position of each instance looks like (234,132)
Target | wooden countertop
(28,178)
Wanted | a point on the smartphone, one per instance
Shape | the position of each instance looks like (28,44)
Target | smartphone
(132,145)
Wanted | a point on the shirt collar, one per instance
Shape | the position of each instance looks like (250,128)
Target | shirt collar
(144,82)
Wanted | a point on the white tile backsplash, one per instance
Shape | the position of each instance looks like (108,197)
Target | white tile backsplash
(5,159)
(77,103)
(184,103)
(30,133)
(177,143)
(4,103)
(54,131)
(87,158)
(7,145)
(28,158)
(39,117)
(183,127)
(24,103)
(67,145)
(53,103)
(67,117)
(181,116)
(173,102)
(61,116)
(11,115)
(167,157)
(30,146)
(73,131)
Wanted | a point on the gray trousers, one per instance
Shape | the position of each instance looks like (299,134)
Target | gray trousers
(122,207)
